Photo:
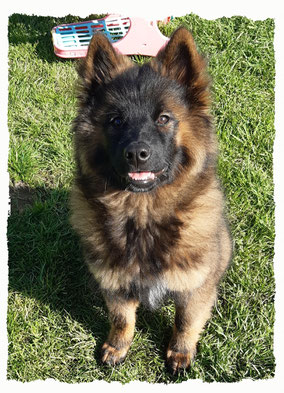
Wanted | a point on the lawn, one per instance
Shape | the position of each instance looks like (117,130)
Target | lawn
(56,319)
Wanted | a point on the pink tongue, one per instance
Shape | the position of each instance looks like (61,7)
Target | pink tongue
(142,175)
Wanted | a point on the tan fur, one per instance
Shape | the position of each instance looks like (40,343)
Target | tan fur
(121,334)
(192,203)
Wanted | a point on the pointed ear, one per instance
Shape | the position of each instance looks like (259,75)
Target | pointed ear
(180,61)
(102,62)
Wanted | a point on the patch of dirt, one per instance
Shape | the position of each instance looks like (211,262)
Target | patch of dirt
(21,196)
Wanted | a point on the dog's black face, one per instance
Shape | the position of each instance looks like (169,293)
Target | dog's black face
(139,125)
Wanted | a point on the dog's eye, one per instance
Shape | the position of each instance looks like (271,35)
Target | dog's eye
(163,119)
(116,121)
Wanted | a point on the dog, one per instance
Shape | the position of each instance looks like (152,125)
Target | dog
(146,201)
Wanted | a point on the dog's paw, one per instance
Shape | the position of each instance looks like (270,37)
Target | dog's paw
(112,355)
(178,361)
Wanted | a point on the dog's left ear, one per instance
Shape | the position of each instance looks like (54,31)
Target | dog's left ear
(181,61)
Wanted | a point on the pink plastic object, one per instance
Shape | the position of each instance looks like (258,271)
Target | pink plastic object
(143,38)
(129,36)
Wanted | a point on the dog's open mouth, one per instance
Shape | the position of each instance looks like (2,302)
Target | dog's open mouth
(143,181)
(144,177)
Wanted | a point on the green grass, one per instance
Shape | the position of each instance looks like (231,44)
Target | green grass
(57,321)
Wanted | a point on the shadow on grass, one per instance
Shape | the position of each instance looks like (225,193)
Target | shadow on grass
(37,30)
(45,263)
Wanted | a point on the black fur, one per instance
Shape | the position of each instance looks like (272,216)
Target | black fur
(137,98)
(149,129)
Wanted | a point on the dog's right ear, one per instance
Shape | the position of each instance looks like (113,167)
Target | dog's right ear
(102,62)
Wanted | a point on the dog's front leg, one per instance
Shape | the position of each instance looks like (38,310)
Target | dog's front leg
(122,315)
(192,312)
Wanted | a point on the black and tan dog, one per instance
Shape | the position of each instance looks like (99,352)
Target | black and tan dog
(146,201)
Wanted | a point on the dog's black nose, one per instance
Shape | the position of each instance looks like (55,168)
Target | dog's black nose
(137,153)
